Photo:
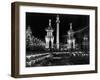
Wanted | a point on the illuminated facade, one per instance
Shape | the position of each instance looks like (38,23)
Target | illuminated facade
(29,36)
(71,39)
(49,38)
(85,42)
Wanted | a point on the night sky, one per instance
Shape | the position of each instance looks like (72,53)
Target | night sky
(39,21)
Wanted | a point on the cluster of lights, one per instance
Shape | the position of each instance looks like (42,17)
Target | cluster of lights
(31,40)
(76,53)
(79,54)
(36,55)
(57,53)
(36,58)
(37,42)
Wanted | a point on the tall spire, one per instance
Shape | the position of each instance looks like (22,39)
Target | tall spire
(49,22)
(70,26)
(49,26)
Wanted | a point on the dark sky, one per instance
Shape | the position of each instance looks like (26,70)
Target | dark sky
(39,21)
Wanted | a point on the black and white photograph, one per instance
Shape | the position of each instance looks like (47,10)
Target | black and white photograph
(57,39)
(52,39)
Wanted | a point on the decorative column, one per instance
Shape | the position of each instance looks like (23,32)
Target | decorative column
(57,31)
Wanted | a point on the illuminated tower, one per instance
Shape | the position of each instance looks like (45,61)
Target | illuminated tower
(85,42)
(49,38)
(57,31)
(71,39)
(29,36)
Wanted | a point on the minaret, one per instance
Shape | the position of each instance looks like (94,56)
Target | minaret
(57,31)
(49,38)
(70,26)
(71,39)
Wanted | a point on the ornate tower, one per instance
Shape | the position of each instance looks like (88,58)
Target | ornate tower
(71,39)
(49,38)
(29,36)
(85,42)
(57,31)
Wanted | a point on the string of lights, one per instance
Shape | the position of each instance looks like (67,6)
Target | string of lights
(81,30)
